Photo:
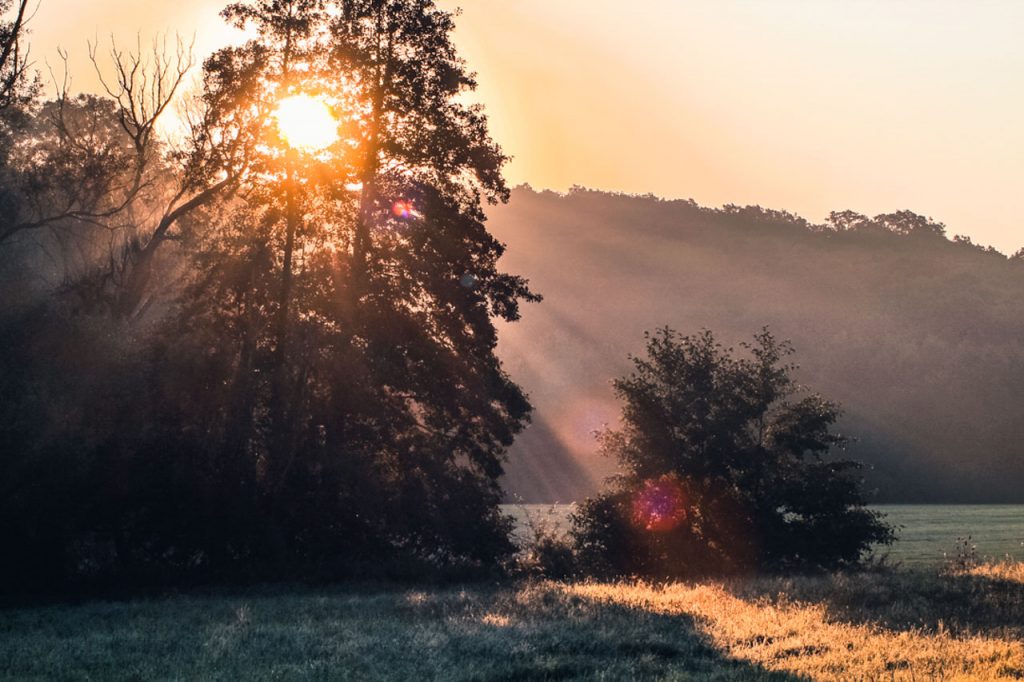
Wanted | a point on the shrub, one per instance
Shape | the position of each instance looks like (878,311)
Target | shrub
(545,551)
(724,467)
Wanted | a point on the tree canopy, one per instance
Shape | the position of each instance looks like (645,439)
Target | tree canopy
(292,366)
(724,466)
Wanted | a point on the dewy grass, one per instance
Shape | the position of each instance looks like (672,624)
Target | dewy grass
(883,625)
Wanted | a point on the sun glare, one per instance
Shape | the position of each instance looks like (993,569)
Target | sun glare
(306,123)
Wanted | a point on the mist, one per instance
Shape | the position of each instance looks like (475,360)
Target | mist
(915,333)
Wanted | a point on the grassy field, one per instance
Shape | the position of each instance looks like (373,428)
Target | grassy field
(898,625)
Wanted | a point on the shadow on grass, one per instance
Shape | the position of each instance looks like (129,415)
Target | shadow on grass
(546,635)
(901,600)
(530,633)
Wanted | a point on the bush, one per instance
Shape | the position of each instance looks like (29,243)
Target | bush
(545,551)
(723,468)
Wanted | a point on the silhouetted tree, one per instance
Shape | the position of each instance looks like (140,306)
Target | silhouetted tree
(846,221)
(723,467)
(366,311)
(322,390)
(76,177)
(909,223)
(17,91)
(91,184)
(902,223)
(17,86)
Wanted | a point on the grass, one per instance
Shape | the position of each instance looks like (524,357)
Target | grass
(1009,571)
(894,625)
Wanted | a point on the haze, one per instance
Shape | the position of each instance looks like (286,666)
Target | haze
(810,107)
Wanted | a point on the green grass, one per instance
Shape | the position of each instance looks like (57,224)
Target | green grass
(479,634)
(899,625)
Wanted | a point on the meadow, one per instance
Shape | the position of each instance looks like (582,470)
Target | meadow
(902,624)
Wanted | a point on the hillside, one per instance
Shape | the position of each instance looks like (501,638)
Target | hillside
(917,335)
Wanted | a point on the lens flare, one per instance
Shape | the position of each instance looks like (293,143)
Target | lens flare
(659,505)
(306,123)
(403,209)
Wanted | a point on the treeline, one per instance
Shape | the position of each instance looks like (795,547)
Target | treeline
(915,334)
(227,358)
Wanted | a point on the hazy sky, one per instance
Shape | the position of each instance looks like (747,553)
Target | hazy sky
(806,106)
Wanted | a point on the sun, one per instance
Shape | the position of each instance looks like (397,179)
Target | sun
(306,123)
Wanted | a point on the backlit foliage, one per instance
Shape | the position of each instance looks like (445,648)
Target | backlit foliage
(277,357)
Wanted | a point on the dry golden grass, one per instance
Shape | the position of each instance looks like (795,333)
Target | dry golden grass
(1010,571)
(807,639)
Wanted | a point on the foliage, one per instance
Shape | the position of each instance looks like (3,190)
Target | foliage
(17,93)
(545,551)
(17,85)
(306,385)
(92,192)
(900,223)
(73,172)
(724,467)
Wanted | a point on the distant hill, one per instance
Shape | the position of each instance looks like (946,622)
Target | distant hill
(920,337)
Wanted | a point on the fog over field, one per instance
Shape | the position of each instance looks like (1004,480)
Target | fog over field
(916,333)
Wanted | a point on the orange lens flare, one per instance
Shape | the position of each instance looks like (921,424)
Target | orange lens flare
(403,209)
(659,505)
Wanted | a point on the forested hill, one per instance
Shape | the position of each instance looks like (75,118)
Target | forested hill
(919,335)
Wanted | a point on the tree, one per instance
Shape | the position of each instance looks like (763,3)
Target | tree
(321,391)
(847,221)
(92,174)
(723,467)
(344,309)
(398,281)
(900,223)
(906,223)
(17,91)
(92,187)
(16,85)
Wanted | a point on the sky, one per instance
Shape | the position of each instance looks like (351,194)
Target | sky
(807,106)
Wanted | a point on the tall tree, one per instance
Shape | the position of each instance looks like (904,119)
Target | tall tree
(17,91)
(16,85)
(353,292)
(323,391)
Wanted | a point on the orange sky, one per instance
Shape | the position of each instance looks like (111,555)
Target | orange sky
(802,105)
